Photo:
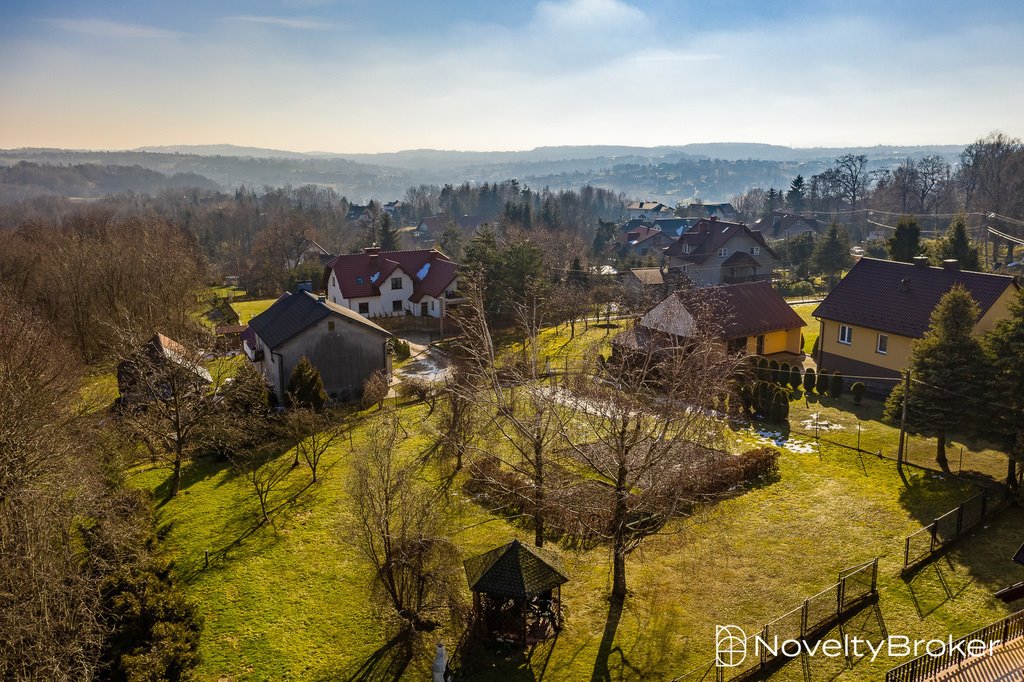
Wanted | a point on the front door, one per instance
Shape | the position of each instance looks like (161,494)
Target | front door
(423,309)
(760,345)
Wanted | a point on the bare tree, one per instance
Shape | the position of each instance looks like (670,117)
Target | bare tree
(852,177)
(518,408)
(265,472)
(313,433)
(400,527)
(634,428)
(167,400)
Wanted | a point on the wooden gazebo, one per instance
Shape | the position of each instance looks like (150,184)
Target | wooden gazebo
(516,593)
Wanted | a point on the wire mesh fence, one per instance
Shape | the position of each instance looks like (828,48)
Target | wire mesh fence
(921,545)
(742,657)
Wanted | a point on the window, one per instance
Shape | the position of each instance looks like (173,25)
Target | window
(845,334)
(396,306)
(359,280)
(883,344)
(330,325)
(755,250)
(396,282)
(723,252)
(759,346)
(364,308)
(686,248)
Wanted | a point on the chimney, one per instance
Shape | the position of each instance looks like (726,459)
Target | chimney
(920,261)
(951,264)
(373,252)
(713,218)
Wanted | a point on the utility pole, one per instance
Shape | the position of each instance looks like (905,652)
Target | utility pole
(903,421)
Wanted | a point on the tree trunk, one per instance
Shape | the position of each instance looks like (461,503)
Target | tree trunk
(619,539)
(940,452)
(175,479)
(538,494)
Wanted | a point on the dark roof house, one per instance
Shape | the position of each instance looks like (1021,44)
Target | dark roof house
(362,275)
(718,252)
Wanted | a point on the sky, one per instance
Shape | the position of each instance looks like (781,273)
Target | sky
(357,76)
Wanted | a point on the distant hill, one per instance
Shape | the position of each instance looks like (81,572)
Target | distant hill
(26,179)
(711,171)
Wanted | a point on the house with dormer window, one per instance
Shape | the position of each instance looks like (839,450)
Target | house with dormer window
(717,252)
(377,283)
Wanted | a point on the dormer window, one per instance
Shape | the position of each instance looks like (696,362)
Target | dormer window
(755,250)
(686,248)
(723,252)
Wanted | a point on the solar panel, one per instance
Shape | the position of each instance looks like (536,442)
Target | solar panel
(1019,556)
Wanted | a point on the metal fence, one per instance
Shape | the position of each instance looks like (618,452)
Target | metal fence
(921,668)
(922,544)
(812,618)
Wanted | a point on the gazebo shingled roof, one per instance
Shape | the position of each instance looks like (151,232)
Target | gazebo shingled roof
(514,570)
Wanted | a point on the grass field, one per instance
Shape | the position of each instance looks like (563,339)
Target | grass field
(290,601)
(812,329)
(249,309)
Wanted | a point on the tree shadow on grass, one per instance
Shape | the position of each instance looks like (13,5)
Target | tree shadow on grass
(389,662)
(606,649)
(195,472)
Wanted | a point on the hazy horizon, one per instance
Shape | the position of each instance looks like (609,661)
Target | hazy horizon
(347,78)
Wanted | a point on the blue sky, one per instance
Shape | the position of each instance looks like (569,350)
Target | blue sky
(354,76)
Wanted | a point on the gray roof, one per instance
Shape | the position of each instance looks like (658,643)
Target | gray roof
(514,570)
(293,313)
(899,298)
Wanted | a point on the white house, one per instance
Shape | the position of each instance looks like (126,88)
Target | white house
(390,283)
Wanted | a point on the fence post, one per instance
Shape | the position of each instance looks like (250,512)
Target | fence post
(906,552)
(764,651)
(840,596)
(803,618)
(960,518)
(874,577)
(935,527)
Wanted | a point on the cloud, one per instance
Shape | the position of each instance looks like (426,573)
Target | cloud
(589,14)
(102,28)
(300,23)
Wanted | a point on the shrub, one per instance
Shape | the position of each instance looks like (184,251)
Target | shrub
(814,348)
(795,379)
(762,397)
(822,385)
(305,387)
(375,390)
(773,371)
(762,368)
(779,411)
(835,387)
(810,380)
(402,351)
(858,392)
(784,373)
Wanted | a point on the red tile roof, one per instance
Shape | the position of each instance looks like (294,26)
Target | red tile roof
(898,298)
(739,309)
(360,275)
(708,236)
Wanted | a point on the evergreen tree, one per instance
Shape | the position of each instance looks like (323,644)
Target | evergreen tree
(946,361)
(957,244)
(906,241)
(306,387)
(1005,352)
(797,194)
(387,233)
(832,254)
(451,242)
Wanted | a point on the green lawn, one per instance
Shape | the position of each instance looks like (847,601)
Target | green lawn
(289,601)
(249,309)
(811,331)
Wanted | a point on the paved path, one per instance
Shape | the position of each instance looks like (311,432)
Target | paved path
(1006,664)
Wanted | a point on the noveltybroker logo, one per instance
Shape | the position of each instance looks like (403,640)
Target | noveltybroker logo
(730,646)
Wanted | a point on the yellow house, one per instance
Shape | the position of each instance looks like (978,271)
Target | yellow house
(871,318)
(750,317)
